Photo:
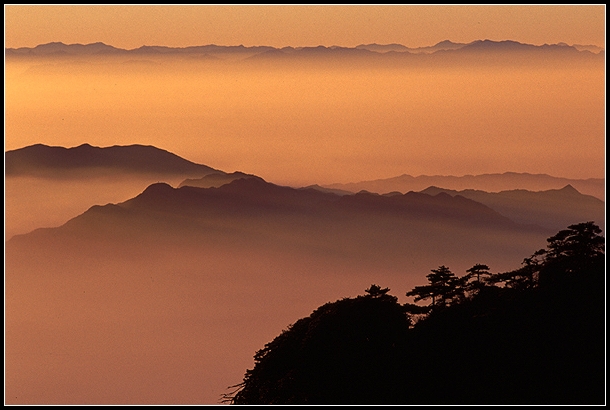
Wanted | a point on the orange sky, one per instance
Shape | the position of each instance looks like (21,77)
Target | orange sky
(303,127)
(134,26)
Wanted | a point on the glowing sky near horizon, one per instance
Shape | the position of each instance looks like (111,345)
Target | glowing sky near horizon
(302,127)
(414,26)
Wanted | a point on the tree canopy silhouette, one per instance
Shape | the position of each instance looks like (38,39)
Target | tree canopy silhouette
(444,287)
(345,352)
(535,335)
(481,273)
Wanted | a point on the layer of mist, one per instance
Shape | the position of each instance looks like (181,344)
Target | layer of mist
(325,115)
(172,291)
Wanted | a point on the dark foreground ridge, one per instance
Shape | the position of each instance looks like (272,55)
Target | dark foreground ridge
(535,335)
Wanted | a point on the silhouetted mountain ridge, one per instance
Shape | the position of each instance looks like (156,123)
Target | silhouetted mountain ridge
(215,180)
(255,195)
(554,208)
(423,205)
(252,206)
(43,160)
(244,195)
(59,49)
(486,182)
(384,48)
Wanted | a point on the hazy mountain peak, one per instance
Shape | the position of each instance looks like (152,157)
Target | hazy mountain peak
(445,43)
(492,43)
(51,44)
(43,160)
(435,190)
(569,189)
(216,179)
(159,187)
(158,194)
(443,194)
(85,145)
(56,47)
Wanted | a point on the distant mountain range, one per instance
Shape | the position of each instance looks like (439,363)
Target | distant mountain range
(553,209)
(486,182)
(253,197)
(252,213)
(58,49)
(449,45)
(399,48)
(215,180)
(530,199)
(255,192)
(46,161)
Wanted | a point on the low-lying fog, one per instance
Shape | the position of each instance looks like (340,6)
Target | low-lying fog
(125,313)
(319,122)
